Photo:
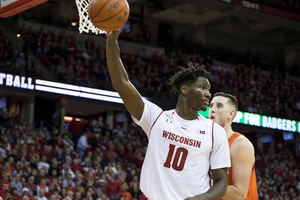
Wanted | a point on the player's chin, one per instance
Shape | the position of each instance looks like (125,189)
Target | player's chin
(203,108)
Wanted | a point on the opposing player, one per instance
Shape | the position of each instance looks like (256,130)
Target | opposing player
(183,146)
(241,176)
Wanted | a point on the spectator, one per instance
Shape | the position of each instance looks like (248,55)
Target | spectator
(25,192)
(59,155)
(56,118)
(43,164)
(70,186)
(53,197)
(67,177)
(125,194)
(77,196)
(42,187)
(21,62)
(75,127)
(13,193)
(41,195)
(135,191)
(99,186)
(67,142)
(51,190)
(5,182)
(47,150)
(30,186)
(95,140)
(111,153)
(70,194)
(104,197)
(55,166)
(17,184)
(112,187)
(82,144)
(2,150)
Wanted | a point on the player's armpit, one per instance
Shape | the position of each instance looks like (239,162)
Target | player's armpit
(242,160)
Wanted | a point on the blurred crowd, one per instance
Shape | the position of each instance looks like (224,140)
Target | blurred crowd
(92,162)
(87,162)
(277,175)
(274,93)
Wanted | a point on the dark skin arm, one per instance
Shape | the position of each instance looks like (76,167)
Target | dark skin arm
(218,190)
(119,77)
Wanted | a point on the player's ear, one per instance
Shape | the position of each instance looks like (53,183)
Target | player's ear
(232,114)
(184,89)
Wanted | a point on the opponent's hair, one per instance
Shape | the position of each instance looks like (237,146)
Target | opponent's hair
(231,99)
(187,76)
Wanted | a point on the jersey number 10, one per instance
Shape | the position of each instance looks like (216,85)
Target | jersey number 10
(177,164)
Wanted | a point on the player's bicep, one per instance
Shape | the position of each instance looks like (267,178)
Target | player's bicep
(242,159)
(132,100)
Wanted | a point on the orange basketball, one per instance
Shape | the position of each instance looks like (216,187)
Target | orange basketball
(108,15)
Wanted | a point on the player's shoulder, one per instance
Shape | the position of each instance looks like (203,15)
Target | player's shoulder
(205,120)
(151,106)
(210,123)
(242,142)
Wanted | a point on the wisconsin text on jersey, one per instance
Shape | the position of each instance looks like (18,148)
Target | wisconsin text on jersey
(181,139)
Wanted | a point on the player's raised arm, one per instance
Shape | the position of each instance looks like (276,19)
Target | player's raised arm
(119,77)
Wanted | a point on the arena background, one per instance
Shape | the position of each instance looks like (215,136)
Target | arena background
(252,49)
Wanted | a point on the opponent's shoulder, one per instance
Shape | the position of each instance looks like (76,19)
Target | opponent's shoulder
(242,143)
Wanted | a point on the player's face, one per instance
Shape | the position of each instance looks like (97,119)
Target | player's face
(219,110)
(199,94)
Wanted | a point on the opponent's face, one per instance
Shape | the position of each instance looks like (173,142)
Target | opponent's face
(198,94)
(220,110)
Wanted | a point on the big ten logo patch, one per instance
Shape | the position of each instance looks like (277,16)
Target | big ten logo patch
(169,121)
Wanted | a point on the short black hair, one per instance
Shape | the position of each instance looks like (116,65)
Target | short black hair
(231,98)
(188,75)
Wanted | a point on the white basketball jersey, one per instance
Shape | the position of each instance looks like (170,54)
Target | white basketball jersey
(179,154)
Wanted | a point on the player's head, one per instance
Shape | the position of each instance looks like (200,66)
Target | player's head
(223,108)
(192,84)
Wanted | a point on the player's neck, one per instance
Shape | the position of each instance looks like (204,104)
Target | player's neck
(228,130)
(185,112)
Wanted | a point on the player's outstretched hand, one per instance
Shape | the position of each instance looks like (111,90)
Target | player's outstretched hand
(114,34)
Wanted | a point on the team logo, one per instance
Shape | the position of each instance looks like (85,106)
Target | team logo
(110,9)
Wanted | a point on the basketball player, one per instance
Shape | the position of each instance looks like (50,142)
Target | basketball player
(241,176)
(183,146)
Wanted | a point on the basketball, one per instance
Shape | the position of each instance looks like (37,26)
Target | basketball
(108,15)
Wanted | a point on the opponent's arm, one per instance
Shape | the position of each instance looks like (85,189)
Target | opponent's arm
(218,189)
(242,159)
(119,77)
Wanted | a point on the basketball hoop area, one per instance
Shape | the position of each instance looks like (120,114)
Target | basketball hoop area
(12,7)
